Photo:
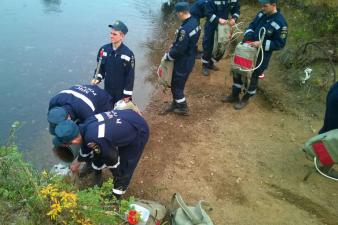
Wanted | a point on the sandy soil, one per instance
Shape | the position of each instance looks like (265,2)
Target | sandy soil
(247,164)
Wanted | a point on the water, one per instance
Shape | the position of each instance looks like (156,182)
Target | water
(50,45)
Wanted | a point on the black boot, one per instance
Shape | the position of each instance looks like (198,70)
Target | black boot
(182,109)
(169,108)
(234,97)
(243,102)
(86,169)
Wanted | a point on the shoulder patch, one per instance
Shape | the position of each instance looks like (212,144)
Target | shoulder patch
(181,35)
(284,32)
(260,15)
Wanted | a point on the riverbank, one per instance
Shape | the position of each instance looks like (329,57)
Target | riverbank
(247,164)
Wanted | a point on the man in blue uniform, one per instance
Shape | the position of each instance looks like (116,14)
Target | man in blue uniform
(218,12)
(198,10)
(183,53)
(113,139)
(331,113)
(78,103)
(275,39)
(117,65)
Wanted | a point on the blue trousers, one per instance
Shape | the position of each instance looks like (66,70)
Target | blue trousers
(129,158)
(208,43)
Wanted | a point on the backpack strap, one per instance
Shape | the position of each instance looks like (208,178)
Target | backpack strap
(178,198)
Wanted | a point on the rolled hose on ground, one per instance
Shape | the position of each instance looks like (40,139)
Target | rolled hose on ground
(261,38)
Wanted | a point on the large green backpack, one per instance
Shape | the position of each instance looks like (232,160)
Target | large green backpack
(323,149)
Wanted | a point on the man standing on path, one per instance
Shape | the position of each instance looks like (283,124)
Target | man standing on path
(218,12)
(117,65)
(275,39)
(183,53)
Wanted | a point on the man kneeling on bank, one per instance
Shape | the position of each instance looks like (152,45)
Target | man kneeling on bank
(113,140)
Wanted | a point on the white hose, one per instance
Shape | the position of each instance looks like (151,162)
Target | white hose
(319,171)
(260,49)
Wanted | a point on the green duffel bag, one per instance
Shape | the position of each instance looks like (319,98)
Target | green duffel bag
(165,73)
(222,39)
(188,215)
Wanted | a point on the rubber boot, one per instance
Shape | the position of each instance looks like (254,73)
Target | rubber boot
(243,102)
(234,97)
(86,169)
(182,109)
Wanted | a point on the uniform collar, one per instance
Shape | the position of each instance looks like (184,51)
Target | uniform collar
(119,49)
(186,20)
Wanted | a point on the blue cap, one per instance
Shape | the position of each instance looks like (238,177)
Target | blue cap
(56,115)
(182,6)
(119,26)
(267,1)
(65,132)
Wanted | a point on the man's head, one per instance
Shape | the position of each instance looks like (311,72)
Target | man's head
(55,116)
(67,133)
(268,6)
(182,10)
(118,31)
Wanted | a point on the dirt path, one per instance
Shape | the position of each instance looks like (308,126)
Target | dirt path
(246,164)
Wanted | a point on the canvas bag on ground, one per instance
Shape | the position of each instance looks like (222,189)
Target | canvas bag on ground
(156,210)
(165,73)
(221,41)
(188,215)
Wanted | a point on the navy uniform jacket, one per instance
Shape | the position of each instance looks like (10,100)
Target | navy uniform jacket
(104,133)
(198,9)
(331,113)
(183,49)
(82,101)
(118,71)
(217,9)
(276,31)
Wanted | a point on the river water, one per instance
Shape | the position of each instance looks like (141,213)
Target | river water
(50,45)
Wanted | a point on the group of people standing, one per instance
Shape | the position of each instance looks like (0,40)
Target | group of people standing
(184,48)
(84,115)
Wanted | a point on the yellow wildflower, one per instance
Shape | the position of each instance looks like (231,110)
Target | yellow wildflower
(48,190)
(55,210)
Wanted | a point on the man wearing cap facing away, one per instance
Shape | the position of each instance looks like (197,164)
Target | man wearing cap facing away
(182,52)
(275,39)
(113,139)
(117,65)
(217,12)
(78,103)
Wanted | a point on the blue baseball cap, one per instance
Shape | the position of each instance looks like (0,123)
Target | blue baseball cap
(55,116)
(119,26)
(267,1)
(182,6)
(65,132)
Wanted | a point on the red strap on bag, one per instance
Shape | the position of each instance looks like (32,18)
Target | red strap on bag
(322,153)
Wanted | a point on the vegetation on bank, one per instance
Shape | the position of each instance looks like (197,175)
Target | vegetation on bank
(31,197)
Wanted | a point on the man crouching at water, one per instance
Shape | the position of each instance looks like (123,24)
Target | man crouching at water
(113,139)
(183,53)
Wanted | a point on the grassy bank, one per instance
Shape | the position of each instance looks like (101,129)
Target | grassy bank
(28,196)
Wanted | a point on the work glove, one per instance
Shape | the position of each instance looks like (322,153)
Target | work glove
(97,79)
